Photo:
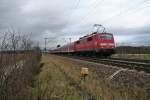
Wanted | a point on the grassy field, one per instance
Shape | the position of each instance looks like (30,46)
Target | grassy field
(51,84)
(60,79)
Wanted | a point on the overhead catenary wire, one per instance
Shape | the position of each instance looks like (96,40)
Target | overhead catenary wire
(89,13)
(74,6)
(140,8)
(95,4)
(77,4)
(129,9)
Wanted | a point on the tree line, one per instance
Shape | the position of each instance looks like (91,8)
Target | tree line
(133,50)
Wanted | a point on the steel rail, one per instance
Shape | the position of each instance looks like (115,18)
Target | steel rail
(134,60)
(139,65)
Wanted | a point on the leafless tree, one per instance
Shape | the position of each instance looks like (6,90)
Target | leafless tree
(19,62)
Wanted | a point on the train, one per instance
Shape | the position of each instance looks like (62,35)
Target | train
(98,44)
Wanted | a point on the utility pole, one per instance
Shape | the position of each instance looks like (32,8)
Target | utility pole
(45,44)
(70,40)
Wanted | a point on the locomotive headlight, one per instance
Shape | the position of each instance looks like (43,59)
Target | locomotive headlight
(111,44)
(106,44)
(103,44)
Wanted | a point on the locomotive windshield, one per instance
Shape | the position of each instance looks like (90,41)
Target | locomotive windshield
(106,36)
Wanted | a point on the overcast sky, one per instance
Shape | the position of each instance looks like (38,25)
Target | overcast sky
(128,20)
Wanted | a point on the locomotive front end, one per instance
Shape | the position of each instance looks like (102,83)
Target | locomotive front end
(105,44)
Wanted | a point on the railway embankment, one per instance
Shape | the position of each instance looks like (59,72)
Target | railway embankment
(115,74)
(60,77)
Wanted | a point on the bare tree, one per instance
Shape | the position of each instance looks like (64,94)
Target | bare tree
(19,62)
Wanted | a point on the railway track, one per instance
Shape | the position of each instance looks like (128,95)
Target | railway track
(133,60)
(139,65)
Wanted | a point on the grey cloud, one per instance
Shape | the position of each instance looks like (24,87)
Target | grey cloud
(33,21)
(59,18)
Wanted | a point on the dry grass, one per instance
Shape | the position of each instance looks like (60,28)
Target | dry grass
(51,84)
(100,88)
(17,77)
(19,63)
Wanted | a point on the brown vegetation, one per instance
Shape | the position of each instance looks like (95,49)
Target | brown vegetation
(60,78)
(99,87)
(17,70)
(51,84)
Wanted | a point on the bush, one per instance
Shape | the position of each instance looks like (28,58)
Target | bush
(19,63)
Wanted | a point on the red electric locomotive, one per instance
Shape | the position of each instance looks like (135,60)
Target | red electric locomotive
(100,44)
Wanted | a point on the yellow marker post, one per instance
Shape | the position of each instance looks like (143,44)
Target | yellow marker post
(84,73)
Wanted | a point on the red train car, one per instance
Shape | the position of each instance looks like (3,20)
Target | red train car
(100,44)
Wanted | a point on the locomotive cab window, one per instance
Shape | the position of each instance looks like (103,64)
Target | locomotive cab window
(89,39)
(106,36)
